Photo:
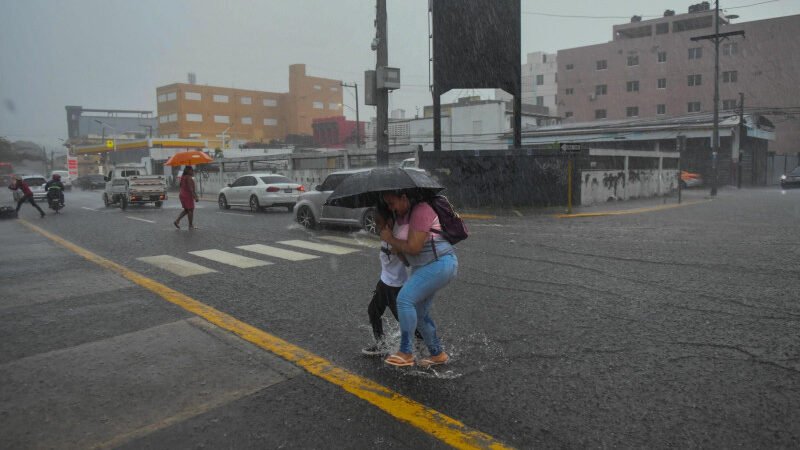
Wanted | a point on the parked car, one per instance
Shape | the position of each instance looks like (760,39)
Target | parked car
(690,179)
(311,209)
(66,180)
(791,179)
(90,182)
(36,183)
(260,190)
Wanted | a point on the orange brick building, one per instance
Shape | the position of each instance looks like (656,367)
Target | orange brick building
(205,112)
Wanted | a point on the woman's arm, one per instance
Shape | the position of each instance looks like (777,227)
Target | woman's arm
(412,246)
(194,193)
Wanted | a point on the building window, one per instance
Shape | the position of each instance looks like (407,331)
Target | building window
(633,60)
(539,101)
(271,122)
(696,53)
(730,49)
(162,98)
(539,80)
(599,113)
(632,86)
(192,95)
(317,87)
(219,98)
(334,88)
(602,64)
(693,107)
(163,119)
(270,102)
(318,105)
(662,83)
(247,120)
(730,76)
(195,135)
(632,111)
(600,89)
(662,28)
(729,104)
(246,100)
(695,80)
(662,57)
(569,91)
(191,117)
(570,66)
(333,106)
(661,109)
(222,119)
(568,114)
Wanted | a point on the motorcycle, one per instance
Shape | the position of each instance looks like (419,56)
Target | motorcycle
(54,198)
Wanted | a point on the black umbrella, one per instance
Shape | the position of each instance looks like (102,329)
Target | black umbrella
(364,188)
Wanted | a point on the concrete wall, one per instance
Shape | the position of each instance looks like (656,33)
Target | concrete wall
(600,186)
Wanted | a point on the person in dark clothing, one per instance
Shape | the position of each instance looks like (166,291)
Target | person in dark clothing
(27,195)
(56,184)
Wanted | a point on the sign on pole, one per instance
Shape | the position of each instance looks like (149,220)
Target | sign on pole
(109,143)
(567,147)
(72,166)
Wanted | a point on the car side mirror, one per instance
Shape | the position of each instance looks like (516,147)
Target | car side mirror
(107,179)
(318,187)
(229,185)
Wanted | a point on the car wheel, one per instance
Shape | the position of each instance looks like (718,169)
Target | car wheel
(123,203)
(105,200)
(306,218)
(254,206)
(368,222)
(223,202)
(158,204)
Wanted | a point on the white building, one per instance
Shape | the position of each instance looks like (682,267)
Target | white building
(539,82)
(466,125)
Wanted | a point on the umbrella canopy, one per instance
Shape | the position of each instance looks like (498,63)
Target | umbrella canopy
(189,158)
(364,189)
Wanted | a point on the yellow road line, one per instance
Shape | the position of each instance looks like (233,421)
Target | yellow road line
(438,425)
(476,216)
(628,211)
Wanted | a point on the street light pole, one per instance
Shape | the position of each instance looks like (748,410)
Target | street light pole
(223,138)
(358,122)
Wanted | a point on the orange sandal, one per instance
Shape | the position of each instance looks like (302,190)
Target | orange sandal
(398,360)
(439,359)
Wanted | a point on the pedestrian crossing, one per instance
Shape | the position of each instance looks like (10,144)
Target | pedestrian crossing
(310,250)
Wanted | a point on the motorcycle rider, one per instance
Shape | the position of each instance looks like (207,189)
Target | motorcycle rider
(56,185)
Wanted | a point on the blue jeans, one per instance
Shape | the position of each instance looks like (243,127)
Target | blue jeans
(415,299)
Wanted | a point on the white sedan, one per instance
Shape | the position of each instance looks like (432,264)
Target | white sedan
(260,190)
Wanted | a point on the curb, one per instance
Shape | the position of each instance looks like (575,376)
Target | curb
(628,211)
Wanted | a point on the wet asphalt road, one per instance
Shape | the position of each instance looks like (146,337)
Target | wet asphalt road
(676,328)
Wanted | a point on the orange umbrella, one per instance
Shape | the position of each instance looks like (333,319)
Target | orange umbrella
(189,158)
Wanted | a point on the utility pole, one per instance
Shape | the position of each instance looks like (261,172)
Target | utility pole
(382,134)
(742,132)
(358,122)
(716,38)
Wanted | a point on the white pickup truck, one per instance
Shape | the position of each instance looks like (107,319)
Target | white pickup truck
(128,184)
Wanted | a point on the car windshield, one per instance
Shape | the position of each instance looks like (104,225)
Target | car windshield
(272,179)
(97,177)
(796,171)
(38,181)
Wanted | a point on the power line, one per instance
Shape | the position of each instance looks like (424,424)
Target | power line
(649,16)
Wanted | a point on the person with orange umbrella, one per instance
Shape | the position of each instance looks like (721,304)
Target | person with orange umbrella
(188,196)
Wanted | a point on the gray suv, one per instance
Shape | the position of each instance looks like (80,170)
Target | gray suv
(311,210)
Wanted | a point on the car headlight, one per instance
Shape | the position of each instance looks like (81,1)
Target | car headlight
(783,177)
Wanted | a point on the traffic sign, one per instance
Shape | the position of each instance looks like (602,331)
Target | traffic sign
(571,147)
(109,143)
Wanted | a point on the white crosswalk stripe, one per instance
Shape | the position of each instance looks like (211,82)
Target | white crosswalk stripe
(176,265)
(231,259)
(364,242)
(277,252)
(324,248)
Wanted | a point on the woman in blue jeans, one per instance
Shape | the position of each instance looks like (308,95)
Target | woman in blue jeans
(433,264)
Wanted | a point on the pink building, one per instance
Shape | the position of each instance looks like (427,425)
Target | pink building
(653,69)
(336,131)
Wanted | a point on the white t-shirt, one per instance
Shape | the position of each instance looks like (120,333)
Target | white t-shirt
(393,271)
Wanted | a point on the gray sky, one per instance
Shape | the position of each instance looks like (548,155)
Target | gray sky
(114,53)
